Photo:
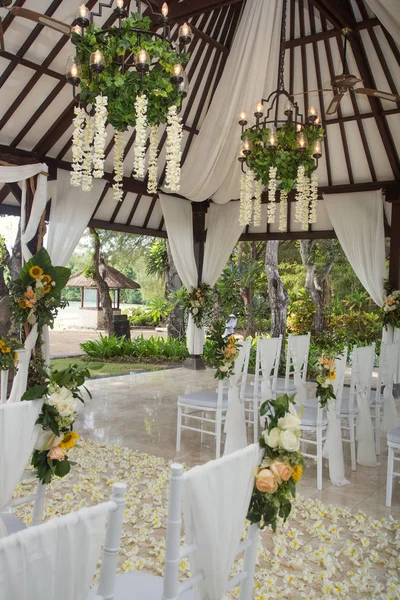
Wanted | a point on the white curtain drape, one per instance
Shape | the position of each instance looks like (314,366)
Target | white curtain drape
(222,234)
(54,560)
(388,365)
(358,222)
(216,498)
(18,435)
(235,423)
(21,377)
(211,169)
(363,359)
(388,12)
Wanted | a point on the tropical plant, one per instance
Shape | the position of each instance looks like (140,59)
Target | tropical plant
(156,259)
(301,313)
(159,309)
(152,349)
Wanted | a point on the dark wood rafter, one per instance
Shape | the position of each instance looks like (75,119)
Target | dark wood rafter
(289,235)
(190,8)
(13,58)
(232,28)
(330,33)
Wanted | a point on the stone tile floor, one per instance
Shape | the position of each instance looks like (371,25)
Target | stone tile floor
(139,411)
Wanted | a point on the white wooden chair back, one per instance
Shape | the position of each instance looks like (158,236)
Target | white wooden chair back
(239,376)
(388,365)
(269,354)
(173,553)
(361,373)
(297,356)
(63,553)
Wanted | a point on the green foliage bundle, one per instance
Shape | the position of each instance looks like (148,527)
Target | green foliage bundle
(138,317)
(9,354)
(199,303)
(222,351)
(121,88)
(301,313)
(155,349)
(286,158)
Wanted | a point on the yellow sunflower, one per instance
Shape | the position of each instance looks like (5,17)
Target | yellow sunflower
(22,303)
(298,472)
(69,440)
(47,289)
(15,356)
(6,350)
(46,278)
(332,375)
(35,271)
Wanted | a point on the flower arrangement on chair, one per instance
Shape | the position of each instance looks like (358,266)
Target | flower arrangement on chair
(325,379)
(8,354)
(223,352)
(391,309)
(61,392)
(282,465)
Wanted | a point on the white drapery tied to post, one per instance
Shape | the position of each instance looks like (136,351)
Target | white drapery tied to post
(389,360)
(235,423)
(24,356)
(363,363)
(214,521)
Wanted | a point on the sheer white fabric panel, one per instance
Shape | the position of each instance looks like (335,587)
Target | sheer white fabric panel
(71,210)
(18,435)
(20,172)
(358,222)
(24,356)
(216,498)
(388,13)
(223,232)
(211,169)
(298,348)
(388,365)
(54,560)
(28,230)
(235,424)
(363,359)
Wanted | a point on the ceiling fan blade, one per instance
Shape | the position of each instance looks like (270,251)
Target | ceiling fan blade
(334,105)
(378,94)
(2,47)
(312,91)
(59,26)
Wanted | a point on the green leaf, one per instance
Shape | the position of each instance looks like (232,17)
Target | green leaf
(35,393)
(62,468)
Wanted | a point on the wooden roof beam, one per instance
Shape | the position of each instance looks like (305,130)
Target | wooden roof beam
(190,8)
(331,33)
(31,65)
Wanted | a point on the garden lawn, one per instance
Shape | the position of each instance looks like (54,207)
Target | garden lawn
(101,368)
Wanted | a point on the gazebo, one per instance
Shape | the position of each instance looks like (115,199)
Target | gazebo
(91,312)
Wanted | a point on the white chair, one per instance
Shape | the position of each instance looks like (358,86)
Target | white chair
(388,364)
(314,420)
(296,367)
(193,407)
(359,391)
(268,355)
(60,557)
(215,499)
(393,442)
(19,435)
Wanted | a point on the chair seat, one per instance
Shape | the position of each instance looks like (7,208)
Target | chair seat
(204,399)
(280,385)
(139,586)
(394,436)
(309,418)
(12,524)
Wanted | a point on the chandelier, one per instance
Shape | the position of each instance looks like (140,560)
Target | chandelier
(280,152)
(129,75)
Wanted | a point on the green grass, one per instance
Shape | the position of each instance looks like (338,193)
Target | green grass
(98,368)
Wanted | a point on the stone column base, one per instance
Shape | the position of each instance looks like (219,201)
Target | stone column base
(194,362)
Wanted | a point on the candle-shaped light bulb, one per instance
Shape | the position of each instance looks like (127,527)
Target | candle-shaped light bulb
(302,142)
(164,10)
(119,3)
(83,16)
(178,69)
(83,11)
(299,127)
(97,61)
(77,29)
(74,70)
(246,146)
(272,141)
(97,58)
(312,111)
(259,108)
(243,116)
(185,33)
(317,149)
(317,120)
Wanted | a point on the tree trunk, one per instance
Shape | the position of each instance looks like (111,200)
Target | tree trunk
(15,262)
(277,294)
(176,318)
(102,285)
(316,279)
(4,260)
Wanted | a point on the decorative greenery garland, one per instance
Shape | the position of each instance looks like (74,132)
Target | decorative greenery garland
(223,352)
(327,374)
(391,308)
(282,465)
(8,354)
(199,302)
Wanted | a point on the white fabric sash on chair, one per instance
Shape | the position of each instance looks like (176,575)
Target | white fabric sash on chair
(216,498)
(56,560)
(18,435)
(24,356)
(363,360)
(389,360)
(333,448)
(269,351)
(235,424)
(298,352)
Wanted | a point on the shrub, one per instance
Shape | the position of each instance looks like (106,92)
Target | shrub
(151,349)
(138,317)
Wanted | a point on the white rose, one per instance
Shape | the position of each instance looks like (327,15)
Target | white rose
(224,369)
(272,438)
(47,440)
(289,441)
(289,422)
(64,402)
(195,311)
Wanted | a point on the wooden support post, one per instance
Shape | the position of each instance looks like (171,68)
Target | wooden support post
(199,237)
(394,256)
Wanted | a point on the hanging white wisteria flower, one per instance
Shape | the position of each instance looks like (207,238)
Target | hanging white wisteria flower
(88,133)
(258,188)
(313,197)
(246,198)
(139,161)
(271,209)
(77,146)
(283,211)
(119,146)
(174,150)
(100,135)
(153,161)
(302,198)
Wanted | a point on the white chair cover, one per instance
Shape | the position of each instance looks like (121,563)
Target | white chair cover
(388,363)
(363,360)
(333,448)
(18,435)
(298,353)
(56,560)
(269,349)
(216,498)
(21,378)
(235,424)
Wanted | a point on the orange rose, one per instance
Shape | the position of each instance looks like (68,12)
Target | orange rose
(56,453)
(282,471)
(29,294)
(266,481)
